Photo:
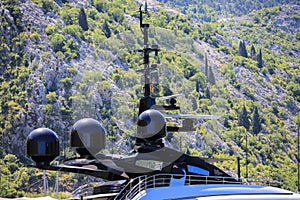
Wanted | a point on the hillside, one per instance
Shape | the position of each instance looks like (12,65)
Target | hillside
(64,60)
(212,11)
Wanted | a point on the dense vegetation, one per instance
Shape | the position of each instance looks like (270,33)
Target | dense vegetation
(210,11)
(265,121)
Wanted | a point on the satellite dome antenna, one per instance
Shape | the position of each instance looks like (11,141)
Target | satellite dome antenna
(151,129)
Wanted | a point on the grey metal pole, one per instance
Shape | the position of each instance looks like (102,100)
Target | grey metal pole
(56,184)
(246,155)
(45,183)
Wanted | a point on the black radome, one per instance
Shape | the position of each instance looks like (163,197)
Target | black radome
(151,125)
(42,145)
(87,137)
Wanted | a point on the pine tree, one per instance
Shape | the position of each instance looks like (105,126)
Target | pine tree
(211,76)
(259,59)
(206,66)
(100,5)
(245,50)
(197,86)
(256,125)
(188,152)
(244,119)
(241,48)
(207,93)
(226,122)
(82,20)
(253,52)
(106,29)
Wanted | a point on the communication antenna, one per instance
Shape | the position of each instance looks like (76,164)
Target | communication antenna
(147,101)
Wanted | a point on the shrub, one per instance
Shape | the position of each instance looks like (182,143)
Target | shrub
(57,41)
(51,97)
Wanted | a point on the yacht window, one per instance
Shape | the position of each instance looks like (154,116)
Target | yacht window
(197,170)
(150,164)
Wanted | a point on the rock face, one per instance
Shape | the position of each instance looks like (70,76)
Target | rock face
(47,71)
(288,20)
(48,102)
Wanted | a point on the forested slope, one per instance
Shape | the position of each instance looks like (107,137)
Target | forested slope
(64,60)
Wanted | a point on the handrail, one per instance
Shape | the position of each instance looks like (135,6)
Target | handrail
(94,188)
(135,187)
(261,181)
(83,190)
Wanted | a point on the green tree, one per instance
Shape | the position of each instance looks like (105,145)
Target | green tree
(51,97)
(11,162)
(82,20)
(117,14)
(244,119)
(242,49)
(256,122)
(259,59)
(245,50)
(48,5)
(101,5)
(66,82)
(211,76)
(106,29)
(206,65)
(69,14)
(197,86)
(207,93)
(57,41)
(253,52)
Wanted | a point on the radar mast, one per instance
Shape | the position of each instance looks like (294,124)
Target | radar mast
(147,101)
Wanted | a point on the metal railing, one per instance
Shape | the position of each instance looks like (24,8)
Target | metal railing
(96,188)
(84,190)
(261,181)
(135,187)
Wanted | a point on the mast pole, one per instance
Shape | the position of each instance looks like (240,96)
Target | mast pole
(145,29)
(146,102)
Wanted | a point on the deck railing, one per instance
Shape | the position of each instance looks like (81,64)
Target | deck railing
(84,190)
(135,187)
